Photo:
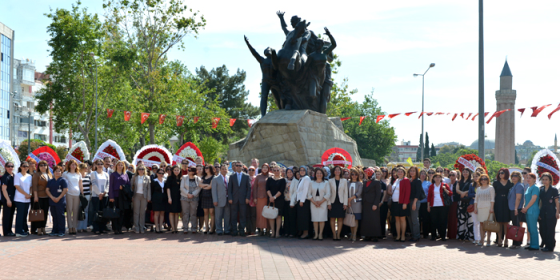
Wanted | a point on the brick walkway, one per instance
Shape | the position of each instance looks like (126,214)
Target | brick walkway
(198,256)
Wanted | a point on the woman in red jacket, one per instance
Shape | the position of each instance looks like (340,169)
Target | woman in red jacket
(400,198)
(437,206)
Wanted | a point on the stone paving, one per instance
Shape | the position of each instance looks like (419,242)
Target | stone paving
(199,256)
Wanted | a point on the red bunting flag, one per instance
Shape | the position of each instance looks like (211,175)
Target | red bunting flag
(343,119)
(379,118)
(429,114)
(454,116)
(232,122)
(522,110)
(180,120)
(555,110)
(195,119)
(421,114)
(361,120)
(144,117)
(126,116)
(470,114)
(250,122)
(463,116)
(110,113)
(497,114)
(537,111)
(409,113)
(161,118)
(439,113)
(215,122)
(393,115)
(474,117)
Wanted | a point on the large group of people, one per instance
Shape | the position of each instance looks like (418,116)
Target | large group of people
(360,203)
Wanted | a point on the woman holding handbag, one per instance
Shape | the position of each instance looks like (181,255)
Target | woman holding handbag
(515,204)
(531,211)
(275,187)
(319,193)
(258,191)
(465,224)
(190,189)
(484,205)
(472,193)
(502,185)
(355,199)
(40,198)
(206,198)
(438,206)
(56,191)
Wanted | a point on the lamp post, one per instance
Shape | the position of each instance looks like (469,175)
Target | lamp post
(29,111)
(94,57)
(481,82)
(422,138)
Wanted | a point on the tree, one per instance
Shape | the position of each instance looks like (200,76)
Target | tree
(61,151)
(433,152)
(374,140)
(69,95)
(419,151)
(144,31)
(516,158)
(231,95)
(427,146)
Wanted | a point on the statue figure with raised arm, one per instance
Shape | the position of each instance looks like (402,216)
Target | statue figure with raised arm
(317,63)
(268,75)
(299,36)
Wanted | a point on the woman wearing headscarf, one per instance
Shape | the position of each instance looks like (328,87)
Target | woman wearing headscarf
(303,204)
(371,196)
(290,212)
(260,197)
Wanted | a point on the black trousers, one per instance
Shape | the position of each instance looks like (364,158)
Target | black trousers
(425,220)
(290,219)
(238,208)
(547,226)
(8,216)
(251,219)
(97,205)
(43,204)
(439,221)
(303,216)
(383,217)
(117,223)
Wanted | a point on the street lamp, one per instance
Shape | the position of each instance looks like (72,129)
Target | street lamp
(29,112)
(94,57)
(422,138)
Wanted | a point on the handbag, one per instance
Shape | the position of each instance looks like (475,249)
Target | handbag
(491,225)
(515,233)
(81,215)
(470,208)
(446,198)
(350,218)
(98,217)
(111,212)
(270,212)
(36,214)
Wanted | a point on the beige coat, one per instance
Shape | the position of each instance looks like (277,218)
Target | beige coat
(342,191)
(146,186)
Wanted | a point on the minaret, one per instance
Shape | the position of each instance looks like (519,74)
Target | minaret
(505,124)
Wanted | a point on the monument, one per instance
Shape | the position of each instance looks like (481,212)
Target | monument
(299,78)
(505,124)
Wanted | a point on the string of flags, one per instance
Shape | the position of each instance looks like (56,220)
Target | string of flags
(179,120)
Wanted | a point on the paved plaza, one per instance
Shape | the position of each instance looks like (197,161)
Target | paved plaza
(199,256)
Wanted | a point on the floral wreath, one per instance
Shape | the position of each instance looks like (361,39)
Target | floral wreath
(336,157)
(188,151)
(47,154)
(78,152)
(152,154)
(470,161)
(545,161)
(111,149)
(8,154)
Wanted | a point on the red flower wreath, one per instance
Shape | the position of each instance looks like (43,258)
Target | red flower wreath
(547,159)
(470,157)
(110,150)
(77,153)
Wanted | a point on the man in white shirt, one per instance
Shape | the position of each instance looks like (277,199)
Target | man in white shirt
(220,199)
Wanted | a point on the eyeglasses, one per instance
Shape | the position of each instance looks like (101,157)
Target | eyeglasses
(130,168)
(25,166)
(501,173)
(9,166)
(524,173)
(451,175)
(239,165)
(251,169)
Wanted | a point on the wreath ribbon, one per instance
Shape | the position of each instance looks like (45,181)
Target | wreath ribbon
(148,162)
(177,158)
(70,157)
(101,155)
(467,164)
(336,162)
(38,160)
(544,165)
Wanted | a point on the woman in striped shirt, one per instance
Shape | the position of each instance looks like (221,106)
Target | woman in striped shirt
(86,184)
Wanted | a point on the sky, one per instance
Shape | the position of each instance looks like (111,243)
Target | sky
(381,45)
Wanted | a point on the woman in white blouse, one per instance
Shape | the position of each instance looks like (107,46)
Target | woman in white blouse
(22,198)
(75,188)
(301,200)
(99,191)
(484,205)
(319,193)
(290,214)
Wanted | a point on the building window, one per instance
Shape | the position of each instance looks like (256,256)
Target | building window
(60,139)
(42,137)
(22,133)
(40,123)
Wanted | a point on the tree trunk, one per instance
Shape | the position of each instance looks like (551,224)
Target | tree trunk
(152,128)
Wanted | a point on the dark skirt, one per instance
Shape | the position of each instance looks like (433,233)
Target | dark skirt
(303,215)
(398,211)
(199,210)
(175,206)
(206,199)
(290,219)
(337,210)
(159,200)
(501,209)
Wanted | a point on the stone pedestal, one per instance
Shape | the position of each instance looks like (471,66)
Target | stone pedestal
(292,138)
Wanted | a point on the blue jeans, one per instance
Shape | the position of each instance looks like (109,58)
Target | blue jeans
(532,218)
(22,209)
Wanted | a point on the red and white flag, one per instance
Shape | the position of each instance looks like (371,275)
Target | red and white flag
(144,117)
(251,122)
(537,111)
(343,119)
(409,113)
(232,122)
(555,110)
(215,122)
(454,116)
(180,120)
(379,118)
(126,115)
(110,113)
(161,118)
(195,119)
(393,115)
(361,120)
(522,110)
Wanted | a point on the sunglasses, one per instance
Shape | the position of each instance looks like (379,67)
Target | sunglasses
(184,163)
(141,169)
(484,179)
(9,166)
(42,164)
(161,173)
(130,168)
(207,167)
(451,175)
(431,173)
(501,173)
(251,169)
(25,166)
(239,165)
(524,173)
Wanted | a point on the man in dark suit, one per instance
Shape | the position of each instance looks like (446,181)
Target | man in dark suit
(239,191)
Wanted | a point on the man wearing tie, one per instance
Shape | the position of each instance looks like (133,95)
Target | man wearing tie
(220,197)
(239,191)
